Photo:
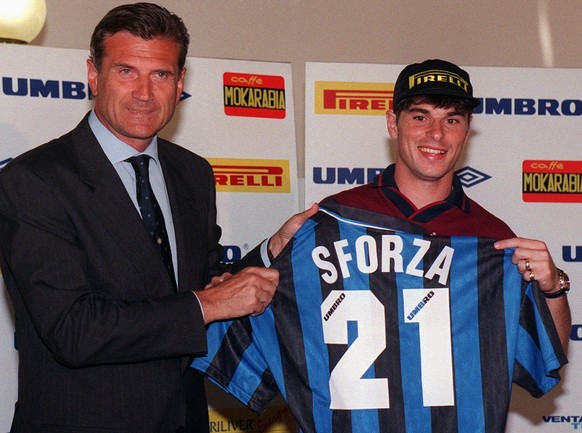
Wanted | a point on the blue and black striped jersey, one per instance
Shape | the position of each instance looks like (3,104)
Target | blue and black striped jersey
(375,329)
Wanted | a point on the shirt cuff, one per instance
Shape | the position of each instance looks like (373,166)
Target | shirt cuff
(199,303)
(265,253)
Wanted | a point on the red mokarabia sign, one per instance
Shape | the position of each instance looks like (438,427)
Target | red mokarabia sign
(552,181)
(253,95)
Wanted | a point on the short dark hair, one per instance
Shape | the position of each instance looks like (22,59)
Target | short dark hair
(463,106)
(146,20)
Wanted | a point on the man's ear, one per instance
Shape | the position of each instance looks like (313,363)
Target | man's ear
(391,124)
(180,86)
(92,76)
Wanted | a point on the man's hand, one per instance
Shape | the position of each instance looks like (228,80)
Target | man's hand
(230,296)
(534,262)
(215,281)
(278,241)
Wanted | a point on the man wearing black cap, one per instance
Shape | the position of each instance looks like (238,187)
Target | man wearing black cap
(430,122)
(361,336)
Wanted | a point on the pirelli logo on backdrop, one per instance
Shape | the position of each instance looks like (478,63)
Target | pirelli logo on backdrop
(251,175)
(338,97)
(252,95)
(552,181)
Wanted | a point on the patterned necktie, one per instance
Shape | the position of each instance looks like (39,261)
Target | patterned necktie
(150,211)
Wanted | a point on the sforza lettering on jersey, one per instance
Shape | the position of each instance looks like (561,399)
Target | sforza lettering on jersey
(387,257)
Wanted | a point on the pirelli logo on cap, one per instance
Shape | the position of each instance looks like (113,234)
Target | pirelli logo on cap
(552,181)
(435,76)
(251,175)
(367,99)
(253,95)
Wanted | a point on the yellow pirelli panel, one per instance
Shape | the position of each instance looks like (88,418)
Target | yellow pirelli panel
(251,175)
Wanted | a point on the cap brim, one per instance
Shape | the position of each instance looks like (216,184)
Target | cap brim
(474,101)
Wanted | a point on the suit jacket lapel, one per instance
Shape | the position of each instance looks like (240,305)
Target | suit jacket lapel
(111,204)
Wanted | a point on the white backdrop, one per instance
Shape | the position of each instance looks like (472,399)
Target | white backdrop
(531,121)
(43,94)
(237,114)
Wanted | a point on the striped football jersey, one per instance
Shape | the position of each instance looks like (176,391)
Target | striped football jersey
(376,329)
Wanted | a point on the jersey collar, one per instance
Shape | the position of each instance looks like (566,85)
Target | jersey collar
(457,198)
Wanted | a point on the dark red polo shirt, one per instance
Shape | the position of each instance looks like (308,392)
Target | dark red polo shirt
(458,215)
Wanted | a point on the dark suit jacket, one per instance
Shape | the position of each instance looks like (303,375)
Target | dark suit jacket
(103,339)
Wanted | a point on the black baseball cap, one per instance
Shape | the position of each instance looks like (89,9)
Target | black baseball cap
(433,77)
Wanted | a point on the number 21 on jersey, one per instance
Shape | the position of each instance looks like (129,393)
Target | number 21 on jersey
(428,308)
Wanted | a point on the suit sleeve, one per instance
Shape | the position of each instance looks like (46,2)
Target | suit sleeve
(61,295)
(252,258)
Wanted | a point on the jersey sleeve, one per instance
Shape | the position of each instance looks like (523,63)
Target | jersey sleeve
(236,363)
(539,353)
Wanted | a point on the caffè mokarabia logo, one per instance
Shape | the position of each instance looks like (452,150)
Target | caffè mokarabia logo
(552,181)
(251,175)
(253,95)
(339,97)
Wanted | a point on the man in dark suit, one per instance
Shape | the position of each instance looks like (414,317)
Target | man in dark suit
(105,327)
